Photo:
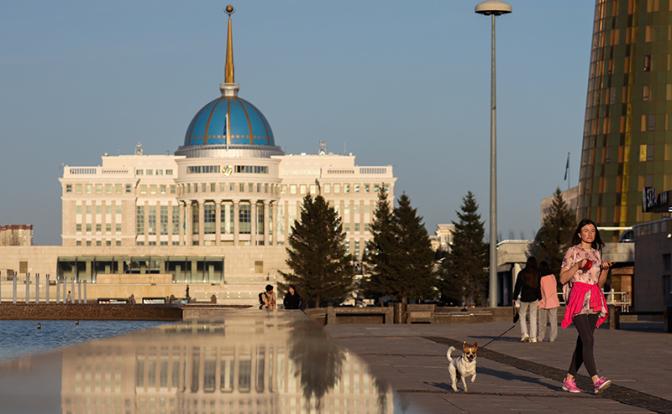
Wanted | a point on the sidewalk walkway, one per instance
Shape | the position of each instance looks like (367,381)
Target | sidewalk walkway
(512,376)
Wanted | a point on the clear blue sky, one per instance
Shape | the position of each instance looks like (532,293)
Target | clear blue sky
(394,82)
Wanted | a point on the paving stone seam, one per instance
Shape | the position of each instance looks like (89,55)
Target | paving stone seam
(617,393)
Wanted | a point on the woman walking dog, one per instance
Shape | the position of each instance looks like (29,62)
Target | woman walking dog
(586,308)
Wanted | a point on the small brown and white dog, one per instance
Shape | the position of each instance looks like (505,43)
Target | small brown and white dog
(463,366)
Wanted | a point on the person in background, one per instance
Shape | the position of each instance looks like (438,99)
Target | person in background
(268,298)
(131,299)
(549,303)
(292,299)
(586,308)
(527,286)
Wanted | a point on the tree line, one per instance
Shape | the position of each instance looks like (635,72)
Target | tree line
(398,263)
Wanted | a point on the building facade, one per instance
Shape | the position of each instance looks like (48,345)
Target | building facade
(217,213)
(442,239)
(627,141)
(652,288)
(16,235)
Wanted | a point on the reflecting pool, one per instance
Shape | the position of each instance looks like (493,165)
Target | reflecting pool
(250,362)
(26,337)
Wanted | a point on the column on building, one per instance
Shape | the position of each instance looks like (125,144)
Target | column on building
(236,222)
(146,222)
(218,221)
(266,224)
(201,222)
(188,223)
(169,212)
(181,220)
(274,236)
(157,223)
(253,222)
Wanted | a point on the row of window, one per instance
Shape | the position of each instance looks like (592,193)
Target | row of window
(97,243)
(190,188)
(152,223)
(647,123)
(226,219)
(615,8)
(98,188)
(97,209)
(151,172)
(157,189)
(331,188)
(160,243)
(227,169)
(89,227)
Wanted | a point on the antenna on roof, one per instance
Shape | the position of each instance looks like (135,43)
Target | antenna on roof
(138,149)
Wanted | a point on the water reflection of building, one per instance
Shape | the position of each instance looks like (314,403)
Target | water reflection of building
(229,367)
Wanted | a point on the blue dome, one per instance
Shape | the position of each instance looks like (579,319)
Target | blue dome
(247,125)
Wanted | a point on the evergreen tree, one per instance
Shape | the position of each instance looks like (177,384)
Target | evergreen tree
(400,258)
(463,271)
(415,258)
(555,234)
(321,267)
(381,248)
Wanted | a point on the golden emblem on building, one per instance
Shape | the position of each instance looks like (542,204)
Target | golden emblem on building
(227,170)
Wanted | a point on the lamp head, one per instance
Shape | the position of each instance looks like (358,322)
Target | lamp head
(496,7)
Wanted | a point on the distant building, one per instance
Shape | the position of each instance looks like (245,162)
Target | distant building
(216,215)
(652,286)
(16,235)
(511,258)
(627,139)
(442,239)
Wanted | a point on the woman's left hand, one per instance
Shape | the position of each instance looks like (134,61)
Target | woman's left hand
(605,265)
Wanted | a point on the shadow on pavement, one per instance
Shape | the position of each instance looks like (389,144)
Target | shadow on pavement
(517,377)
(499,339)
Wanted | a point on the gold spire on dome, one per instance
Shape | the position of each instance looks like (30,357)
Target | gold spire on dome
(229,74)
(229,86)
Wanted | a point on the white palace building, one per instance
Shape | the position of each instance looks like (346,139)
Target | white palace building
(215,216)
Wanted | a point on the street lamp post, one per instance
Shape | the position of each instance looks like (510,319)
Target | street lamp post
(493,8)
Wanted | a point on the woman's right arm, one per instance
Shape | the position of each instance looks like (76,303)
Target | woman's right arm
(569,269)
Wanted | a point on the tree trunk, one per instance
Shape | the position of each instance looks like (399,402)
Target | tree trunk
(404,309)
(317,301)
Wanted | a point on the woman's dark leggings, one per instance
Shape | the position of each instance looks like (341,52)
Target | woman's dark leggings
(583,353)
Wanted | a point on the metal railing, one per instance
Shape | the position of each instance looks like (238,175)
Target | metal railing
(71,291)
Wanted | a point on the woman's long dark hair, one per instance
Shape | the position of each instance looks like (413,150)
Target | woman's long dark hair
(576,239)
(531,272)
(544,269)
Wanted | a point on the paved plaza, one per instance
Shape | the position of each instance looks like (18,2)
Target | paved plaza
(247,360)
(512,376)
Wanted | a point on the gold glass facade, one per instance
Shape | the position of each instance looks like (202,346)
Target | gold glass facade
(626,139)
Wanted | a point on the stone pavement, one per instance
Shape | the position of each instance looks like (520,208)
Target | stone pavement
(513,376)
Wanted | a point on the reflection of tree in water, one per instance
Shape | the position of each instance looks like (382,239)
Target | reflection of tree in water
(318,361)
(382,387)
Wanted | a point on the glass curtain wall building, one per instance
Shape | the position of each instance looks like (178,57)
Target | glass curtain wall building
(627,142)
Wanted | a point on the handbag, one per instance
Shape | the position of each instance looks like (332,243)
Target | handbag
(566,290)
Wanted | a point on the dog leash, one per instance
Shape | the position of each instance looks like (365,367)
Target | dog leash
(499,336)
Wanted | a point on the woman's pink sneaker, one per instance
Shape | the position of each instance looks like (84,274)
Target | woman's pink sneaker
(601,384)
(569,385)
